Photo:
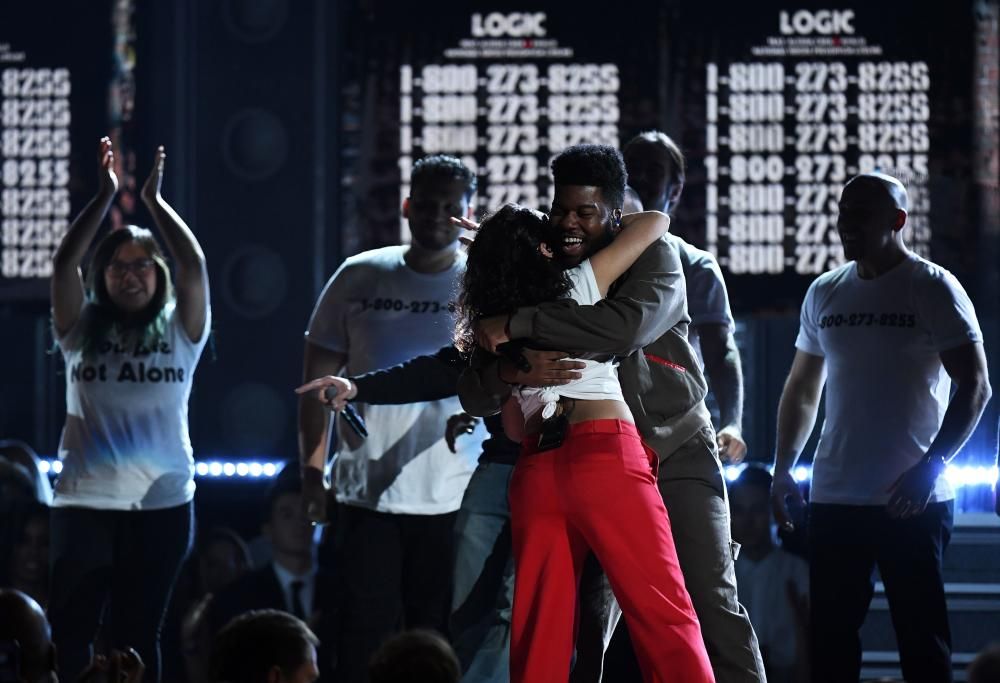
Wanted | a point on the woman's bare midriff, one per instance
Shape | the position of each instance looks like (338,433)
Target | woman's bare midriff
(578,410)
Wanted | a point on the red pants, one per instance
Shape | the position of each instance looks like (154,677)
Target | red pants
(597,492)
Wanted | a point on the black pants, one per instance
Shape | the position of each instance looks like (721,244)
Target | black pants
(125,558)
(395,572)
(846,543)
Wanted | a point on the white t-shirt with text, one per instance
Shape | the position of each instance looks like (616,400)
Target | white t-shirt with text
(887,391)
(125,445)
(380,312)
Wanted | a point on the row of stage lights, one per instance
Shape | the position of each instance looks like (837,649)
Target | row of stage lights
(959,475)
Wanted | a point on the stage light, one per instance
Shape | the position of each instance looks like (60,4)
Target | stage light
(959,476)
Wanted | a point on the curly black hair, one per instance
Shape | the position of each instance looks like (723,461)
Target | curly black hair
(506,270)
(595,165)
(441,167)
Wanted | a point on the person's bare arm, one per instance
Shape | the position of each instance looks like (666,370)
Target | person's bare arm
(191,274)
(638,232)
(966,365)
(67,290)
(313,425)
(797,412)
(725,375)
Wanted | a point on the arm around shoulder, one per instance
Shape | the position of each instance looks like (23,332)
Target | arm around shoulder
(648,302)
(638,232)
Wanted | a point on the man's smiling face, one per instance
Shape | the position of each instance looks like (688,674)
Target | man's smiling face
(582,222)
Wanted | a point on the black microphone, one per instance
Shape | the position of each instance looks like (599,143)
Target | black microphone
(350,415)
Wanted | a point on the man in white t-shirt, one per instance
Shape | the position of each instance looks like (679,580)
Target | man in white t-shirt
(398,490)
(889,332)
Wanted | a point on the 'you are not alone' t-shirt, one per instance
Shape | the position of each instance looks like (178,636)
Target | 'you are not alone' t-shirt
(126,445)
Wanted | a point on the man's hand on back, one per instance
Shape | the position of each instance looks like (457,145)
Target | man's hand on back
(548,369)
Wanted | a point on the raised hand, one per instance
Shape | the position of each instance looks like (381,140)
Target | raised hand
(458,424)
(469,225)
(151,188)
(107,180)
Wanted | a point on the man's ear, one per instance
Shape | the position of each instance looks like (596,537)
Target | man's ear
(406,208)
(274,674)
(900,220)
(674,195)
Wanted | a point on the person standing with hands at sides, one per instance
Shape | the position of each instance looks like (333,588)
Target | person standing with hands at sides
(398,491)
(584,482)
(122,509)
(888,333)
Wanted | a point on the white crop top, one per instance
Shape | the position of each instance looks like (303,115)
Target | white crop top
(599,380)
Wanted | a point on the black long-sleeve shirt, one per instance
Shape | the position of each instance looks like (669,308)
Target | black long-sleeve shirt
(430,378)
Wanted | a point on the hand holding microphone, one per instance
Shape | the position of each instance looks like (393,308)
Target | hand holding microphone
(336,392)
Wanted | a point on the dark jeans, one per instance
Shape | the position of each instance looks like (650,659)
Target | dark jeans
(846,543)
(129,559)
(484,577)
(395,573)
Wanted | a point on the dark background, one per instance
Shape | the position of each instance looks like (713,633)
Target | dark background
(280,120)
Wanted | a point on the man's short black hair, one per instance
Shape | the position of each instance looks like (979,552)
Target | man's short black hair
(599,166)
(417,655)
(753,476)
(250,645)
(443,168)
(287,481)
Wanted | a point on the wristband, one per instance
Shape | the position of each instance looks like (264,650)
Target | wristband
(937,462)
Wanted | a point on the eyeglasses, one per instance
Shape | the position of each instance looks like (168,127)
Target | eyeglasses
(139,267)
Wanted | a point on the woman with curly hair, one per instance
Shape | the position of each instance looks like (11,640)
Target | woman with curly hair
(585,481)
(122,507)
